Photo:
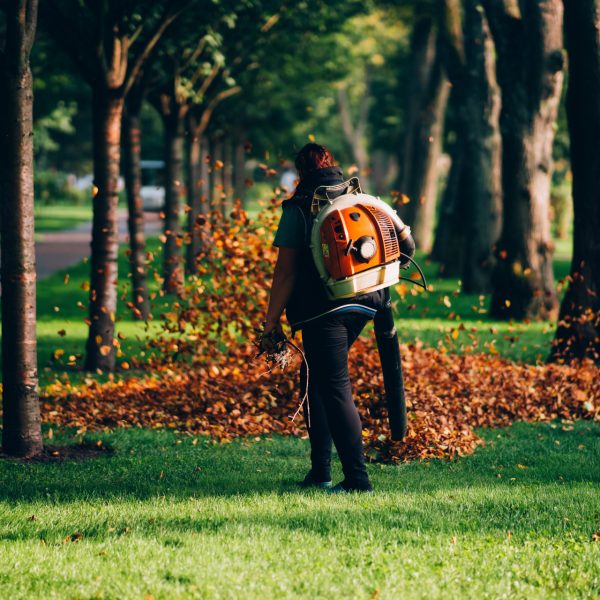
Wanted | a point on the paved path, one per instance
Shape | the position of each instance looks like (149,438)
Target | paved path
(61,249)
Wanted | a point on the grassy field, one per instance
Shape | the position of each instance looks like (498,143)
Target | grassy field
(171,516)
(447,318)
(56,217)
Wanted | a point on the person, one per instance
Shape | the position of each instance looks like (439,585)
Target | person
(329,328)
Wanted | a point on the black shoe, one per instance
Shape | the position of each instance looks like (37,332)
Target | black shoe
(346,488)
(310,481)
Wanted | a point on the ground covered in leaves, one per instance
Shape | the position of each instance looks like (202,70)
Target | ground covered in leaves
(198,372)
(448,396)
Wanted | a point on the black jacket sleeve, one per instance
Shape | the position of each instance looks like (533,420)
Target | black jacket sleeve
(407,247)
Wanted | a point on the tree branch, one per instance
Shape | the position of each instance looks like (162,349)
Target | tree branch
(100,18)
(31,22)
(153,40)
(208,81)
(452,40)
(198,50)
(208,111)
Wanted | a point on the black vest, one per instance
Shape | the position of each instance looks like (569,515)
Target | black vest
(309,298)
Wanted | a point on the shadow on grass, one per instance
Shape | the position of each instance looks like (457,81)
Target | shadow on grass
(58,454)
(148,464)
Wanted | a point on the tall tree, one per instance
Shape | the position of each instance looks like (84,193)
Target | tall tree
(188,66)
(132,173)
(427,96)
(470,218)
(578,332)
(109,41)
(21,434)
(529,66)
(198,158)
(364,53)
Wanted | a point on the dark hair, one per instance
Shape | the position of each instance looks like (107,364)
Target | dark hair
(311,158)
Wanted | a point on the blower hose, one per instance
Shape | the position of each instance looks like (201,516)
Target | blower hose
(391,365)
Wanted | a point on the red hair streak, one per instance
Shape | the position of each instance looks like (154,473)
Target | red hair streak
(313,157)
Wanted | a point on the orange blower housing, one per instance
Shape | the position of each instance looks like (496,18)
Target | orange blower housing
(357,238)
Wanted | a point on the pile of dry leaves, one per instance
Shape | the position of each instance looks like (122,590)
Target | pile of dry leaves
(448,395)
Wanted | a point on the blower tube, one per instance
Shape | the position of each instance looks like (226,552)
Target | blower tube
(391,365)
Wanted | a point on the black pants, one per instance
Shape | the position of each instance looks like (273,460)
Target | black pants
(333,414)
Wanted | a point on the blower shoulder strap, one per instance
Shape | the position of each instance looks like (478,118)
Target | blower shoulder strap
(326,194)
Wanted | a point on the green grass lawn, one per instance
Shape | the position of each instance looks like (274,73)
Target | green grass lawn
(448,318)
(57,217)
(171,516)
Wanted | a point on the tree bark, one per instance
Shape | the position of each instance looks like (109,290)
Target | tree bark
(428,96)
(107,108)
(132,171)
(450,234)
(578,332)
(239,171)
(172,268)
(227,175)
(194,153)
(480,124)
(205,159)
(21,433)
(384,171)
(355,129)
(469,223)
(217,175)
(529,68)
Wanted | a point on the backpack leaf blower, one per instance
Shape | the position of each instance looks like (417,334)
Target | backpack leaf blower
(356,243)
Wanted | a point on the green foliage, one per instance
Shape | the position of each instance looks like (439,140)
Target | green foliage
(52,187)
(174,516)
(62,110)
(60,120)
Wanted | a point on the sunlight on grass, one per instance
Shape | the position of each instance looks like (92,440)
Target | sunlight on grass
(177,516)
(57,217)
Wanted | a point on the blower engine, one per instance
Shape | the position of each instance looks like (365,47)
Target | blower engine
(355,240)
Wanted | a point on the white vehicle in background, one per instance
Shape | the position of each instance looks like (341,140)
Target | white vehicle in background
(153,184)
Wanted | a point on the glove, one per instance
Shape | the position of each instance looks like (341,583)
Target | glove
(272,342)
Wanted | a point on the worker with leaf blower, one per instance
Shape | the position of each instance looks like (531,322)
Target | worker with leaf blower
(339,252)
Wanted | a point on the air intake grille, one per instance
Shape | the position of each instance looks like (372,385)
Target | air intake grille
(391,248)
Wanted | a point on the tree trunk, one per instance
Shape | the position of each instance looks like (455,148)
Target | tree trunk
(205,159)
(355,130)
(107,117)
(132,134)
(21,434)
(213,205)
(449,244)
(578,333)
(481,109)
(227,175)
(239,171)
(217,175)
(529,68)
(194,201)
(428,96)
(172,272)
(384,171)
